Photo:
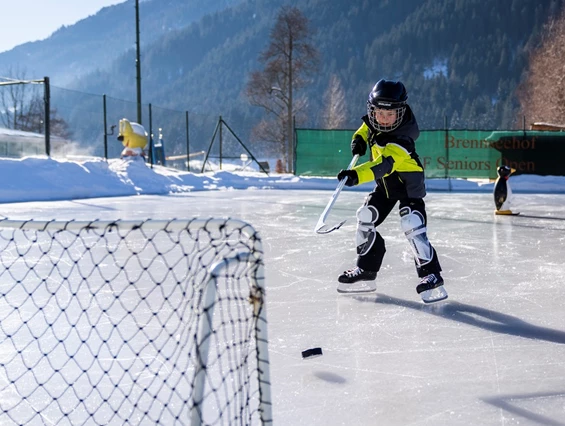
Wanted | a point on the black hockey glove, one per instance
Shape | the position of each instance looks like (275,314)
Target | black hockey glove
(358,146)
(351,175)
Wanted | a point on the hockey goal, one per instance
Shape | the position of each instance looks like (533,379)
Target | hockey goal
(132,322)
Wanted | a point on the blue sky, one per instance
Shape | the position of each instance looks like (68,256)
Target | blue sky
(30,20)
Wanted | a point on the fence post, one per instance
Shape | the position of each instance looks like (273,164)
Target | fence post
(150,136)
(447,152)
(220,124)
(47,101)
(446,131)
(294,141)
(187,144)
(105,127)
(210,147)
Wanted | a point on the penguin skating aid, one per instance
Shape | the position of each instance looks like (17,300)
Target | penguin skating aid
(503,192)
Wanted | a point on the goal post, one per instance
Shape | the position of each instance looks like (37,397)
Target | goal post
(137,322)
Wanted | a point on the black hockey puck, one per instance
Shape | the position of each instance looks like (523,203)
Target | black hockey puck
(311,353)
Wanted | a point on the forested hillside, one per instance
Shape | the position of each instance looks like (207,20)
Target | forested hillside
(461,60)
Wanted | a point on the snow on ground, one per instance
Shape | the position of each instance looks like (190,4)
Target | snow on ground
(49,179)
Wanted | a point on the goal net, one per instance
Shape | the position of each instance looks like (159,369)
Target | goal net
(132,322)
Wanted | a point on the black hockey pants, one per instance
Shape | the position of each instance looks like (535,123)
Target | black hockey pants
(373,259)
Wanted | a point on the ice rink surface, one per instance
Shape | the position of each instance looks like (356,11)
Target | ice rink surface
(491,354)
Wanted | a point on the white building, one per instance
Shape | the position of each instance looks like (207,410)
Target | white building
(17,143)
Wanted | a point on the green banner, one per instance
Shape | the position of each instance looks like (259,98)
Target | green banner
(458,154)
(469,154)
(322,152)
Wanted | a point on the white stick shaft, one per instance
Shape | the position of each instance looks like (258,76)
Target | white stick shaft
(321,222)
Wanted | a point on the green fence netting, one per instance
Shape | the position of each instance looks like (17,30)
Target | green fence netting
(471,154)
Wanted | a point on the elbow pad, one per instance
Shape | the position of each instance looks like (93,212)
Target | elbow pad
(383,168)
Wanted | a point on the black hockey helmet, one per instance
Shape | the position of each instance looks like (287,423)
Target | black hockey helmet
(387,95)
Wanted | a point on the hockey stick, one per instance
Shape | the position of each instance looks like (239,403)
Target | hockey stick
(321,227)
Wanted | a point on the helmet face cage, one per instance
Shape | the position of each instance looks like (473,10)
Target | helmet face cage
(398,107)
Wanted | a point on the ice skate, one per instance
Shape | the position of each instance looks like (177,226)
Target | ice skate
(357,280)
(431,288)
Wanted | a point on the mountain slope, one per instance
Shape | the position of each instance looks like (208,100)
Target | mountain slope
(98,40)
(460,60)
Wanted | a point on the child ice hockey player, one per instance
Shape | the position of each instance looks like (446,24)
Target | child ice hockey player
(389,130)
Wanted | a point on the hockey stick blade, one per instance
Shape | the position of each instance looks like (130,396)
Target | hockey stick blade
(321,227)
(324,230)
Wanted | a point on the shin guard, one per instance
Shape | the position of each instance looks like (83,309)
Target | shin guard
(414,227)
(365,238)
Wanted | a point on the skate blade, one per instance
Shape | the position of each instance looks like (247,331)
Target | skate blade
(358,287)
(434,295)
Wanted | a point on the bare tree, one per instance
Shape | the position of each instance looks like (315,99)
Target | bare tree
(270,134)
(34,119)
(22,107)
(333,111)
(288,61)
(15,99)
(542,94)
